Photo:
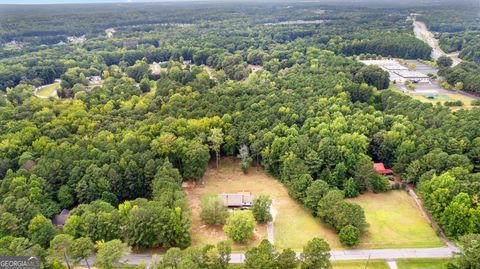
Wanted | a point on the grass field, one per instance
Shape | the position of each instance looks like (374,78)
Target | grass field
(395,222)
(394,219)
(48,90)
(441,98)
(360,264)
(293,226)
(422,263)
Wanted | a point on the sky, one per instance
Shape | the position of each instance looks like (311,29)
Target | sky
(77,1)
(139,1)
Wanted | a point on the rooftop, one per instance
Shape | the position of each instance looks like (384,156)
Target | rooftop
(410,74)
(60,219)
(380,168)
(240,199)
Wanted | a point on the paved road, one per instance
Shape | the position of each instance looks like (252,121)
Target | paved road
(336,255)
(390,255)
(422,33)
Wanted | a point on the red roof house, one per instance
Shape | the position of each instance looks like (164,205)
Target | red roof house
(381,169)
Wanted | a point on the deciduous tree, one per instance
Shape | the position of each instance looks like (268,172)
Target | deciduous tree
(240,225)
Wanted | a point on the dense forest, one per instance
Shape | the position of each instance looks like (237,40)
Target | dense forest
(222,43)
(310,114)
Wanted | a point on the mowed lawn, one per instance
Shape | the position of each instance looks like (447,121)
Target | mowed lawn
(441,98)
(395,222)
(48,90)
(422,263)
(360,264)
(294,226)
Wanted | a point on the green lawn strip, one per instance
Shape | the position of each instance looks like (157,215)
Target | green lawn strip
(422,263)
(360,264)
(48,90)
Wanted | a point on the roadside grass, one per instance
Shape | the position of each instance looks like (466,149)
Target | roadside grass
(294,226)
(360,264)
(422,263)
(395,221)
(47,91)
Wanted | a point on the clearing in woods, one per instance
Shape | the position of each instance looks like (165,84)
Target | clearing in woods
(395,221)
(47,90)
(294,226)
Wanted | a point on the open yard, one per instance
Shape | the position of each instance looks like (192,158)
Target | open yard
(48,90)
(293,227)
(372,264)
(395,222)
(394,219)
(422,263)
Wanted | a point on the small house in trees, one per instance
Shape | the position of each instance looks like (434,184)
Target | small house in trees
(95,80)
(60,219)
(237,200)
(380,168)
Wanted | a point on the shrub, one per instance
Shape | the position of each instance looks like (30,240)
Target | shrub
(349,235)
(475,102)
(351,189)
(314,193)
(379,184)
(316,254)
(444,61)
(261,208)
(245,164)
(338,213)
(214,212)
(239,226)
(454,103)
